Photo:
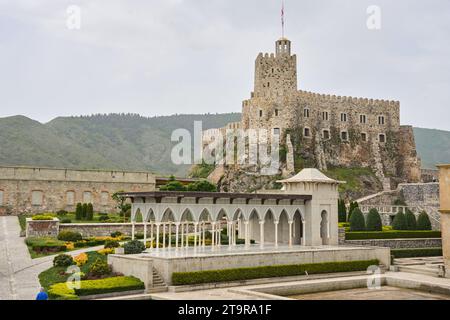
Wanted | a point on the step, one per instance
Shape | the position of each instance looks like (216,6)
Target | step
(423,270)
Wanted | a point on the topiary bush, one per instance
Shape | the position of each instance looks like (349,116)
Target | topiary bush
(353,206)
(84,210)
(134,247)
(112,244)
(71,236)
(79,212)
(399,222)
(411,223)
(99,268)
(41,217)
(89,212)
(423,221)
(116,234)
(63,260)
(374,221)
(342,211)
(357,222)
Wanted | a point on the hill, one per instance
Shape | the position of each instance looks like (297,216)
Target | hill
(133,142)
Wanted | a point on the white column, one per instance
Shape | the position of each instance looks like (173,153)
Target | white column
(212,234)
(145,233)
(204,235)
(247,236)
(195,234)
(132,230)
(290,233)
(182,236)
(170,235)
(187,234)
(261,234)
(164,235)
(151,235)
(219,234)
(303,233)
(177,227)
(233,228)
(276,233)
(157,236)
(229,234)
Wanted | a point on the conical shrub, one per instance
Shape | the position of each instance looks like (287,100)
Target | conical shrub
(399,222)
(374,221)
(357,222)
(411,223)
(342,211)
(423,221)
(79,212)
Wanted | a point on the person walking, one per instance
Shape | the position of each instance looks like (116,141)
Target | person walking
(42,295)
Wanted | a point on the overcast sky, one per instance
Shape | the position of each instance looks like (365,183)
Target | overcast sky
(160,57)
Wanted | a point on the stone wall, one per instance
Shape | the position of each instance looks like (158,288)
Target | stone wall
(37,190)
(102,229)
(397,243)
(42,228)
(444,180)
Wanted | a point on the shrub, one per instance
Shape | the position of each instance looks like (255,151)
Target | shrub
(139,236)
(60,291)
(202,186)
(357,222)
(210,276)
(342,211)
(399,222)
(353,206)
(103,218)
(374,221)
(423,221)
(112,244)
(66,220)
(81,259)
(63,260)
(99,268)
(116,234)
(42,217)
(106,251)
(416,252)
(89,212)
(79,212)
(46,245)
(71,236)
(392,235)
(134,247)
(410,219)
(84,210)
(61,213)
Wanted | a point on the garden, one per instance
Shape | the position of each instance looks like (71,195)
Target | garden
(93,272)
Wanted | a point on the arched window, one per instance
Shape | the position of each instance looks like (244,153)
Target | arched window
(37,198)
(70,198)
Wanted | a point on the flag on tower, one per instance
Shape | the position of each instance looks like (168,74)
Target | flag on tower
(282,18)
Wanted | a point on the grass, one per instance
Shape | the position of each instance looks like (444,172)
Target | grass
(351,176)
(56,274)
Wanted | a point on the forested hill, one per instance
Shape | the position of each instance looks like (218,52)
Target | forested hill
(132,142)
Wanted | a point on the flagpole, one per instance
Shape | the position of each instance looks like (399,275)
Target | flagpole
(282,18)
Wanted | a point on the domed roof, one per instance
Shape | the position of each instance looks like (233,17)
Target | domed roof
(310,175)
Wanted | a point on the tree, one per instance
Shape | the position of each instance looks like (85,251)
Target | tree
(342,211)
(90,212)
(399,222)
(79,212)
(423,221)
(411,223)
(202,186)
(353,206)
(374,221)
(121,204)
(173,186)
(357,222)
(84,211)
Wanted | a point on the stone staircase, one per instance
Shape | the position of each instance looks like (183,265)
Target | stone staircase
(158,283)
(427,266)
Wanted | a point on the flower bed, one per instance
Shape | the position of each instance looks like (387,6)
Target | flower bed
(60,291)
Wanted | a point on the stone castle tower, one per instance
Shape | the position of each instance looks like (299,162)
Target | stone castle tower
(326,130)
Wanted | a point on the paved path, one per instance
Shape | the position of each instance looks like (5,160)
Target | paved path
(18,272)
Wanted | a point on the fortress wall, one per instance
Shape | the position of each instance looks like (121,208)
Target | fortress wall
(37,190)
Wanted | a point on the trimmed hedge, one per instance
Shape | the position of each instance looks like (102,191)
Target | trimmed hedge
(357,222)
(416,252)
(41,218)
(211,276)
(60,291)
(69,236)
(45,244)
(394,234)
(423,221)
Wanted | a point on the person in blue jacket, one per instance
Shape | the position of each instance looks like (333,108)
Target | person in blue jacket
(42,295)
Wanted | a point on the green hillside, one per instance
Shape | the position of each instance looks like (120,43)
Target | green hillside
(132,142)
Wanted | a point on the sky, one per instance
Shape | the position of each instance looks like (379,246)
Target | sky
(162,57)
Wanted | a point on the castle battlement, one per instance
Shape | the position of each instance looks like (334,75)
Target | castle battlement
(355,100)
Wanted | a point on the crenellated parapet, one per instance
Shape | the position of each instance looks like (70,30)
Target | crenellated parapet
(355,100)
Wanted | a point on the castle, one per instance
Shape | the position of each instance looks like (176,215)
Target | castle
(326,130)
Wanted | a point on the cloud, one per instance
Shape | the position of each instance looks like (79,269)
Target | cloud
(174,56)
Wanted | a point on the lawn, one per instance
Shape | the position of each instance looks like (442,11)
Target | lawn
(351,176)
(56,274)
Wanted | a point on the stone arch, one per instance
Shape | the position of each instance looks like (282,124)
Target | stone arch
(222,213)
(324,227)
(269,226)
(150,217)
(253,224)
(205,216)
(168,215)
(187,215)
(283,227)
(297,228)
(138,217)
